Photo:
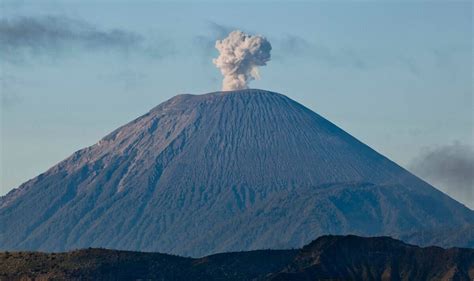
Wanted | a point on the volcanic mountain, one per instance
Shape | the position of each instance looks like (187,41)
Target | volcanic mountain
(224,171)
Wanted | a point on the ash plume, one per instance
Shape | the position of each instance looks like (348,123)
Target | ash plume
(240,56)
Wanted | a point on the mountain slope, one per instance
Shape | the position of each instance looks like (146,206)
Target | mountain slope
(460,236)
(219,172)
(327,258)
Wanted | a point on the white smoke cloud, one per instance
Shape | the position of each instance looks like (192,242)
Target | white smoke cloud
(240,56)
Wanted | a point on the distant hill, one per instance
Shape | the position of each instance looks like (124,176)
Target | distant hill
(327,258)
(220,172)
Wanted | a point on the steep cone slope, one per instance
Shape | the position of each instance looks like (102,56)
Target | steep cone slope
(217,172)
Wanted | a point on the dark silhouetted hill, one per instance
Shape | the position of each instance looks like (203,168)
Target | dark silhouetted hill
(327,258)
(378,258)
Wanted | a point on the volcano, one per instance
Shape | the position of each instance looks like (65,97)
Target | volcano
(224,171)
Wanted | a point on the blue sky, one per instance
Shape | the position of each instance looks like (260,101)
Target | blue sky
(396,75)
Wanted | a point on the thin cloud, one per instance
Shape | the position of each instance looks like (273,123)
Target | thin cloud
(409,64)
(128,79)
(219,30)
(206,43)
(8,91)
(52,35)
(291,46)
(9,99)
(449,168)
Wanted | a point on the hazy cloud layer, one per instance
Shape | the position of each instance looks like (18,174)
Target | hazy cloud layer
(289,47)
(294,45)
(22,36)
(9,99)
(206,43)
(449,168)
(129,80)
(8,90)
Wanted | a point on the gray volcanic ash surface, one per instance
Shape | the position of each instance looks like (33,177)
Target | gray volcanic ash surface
(224,171)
